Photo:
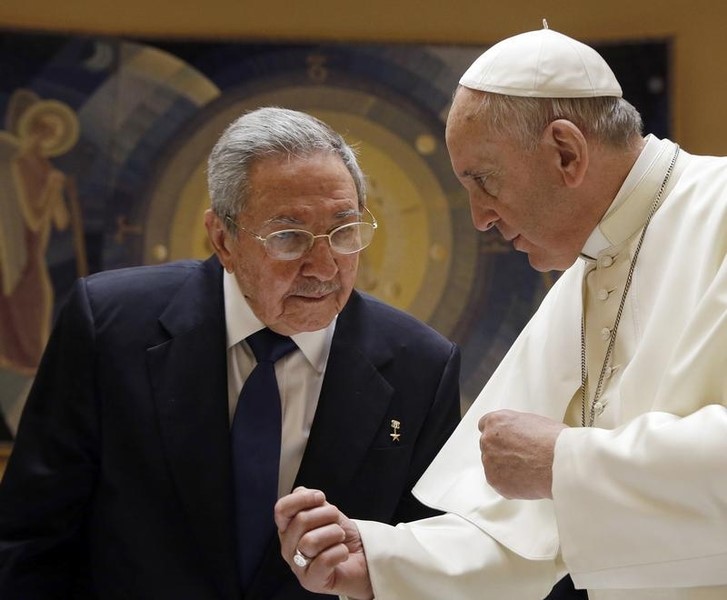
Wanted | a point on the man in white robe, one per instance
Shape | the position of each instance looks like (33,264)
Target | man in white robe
(603,433)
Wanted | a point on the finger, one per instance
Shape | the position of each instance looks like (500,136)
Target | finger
(322,567)
(304,522)
(302,488)
(289,506)
(484,426)
(481,423)
(318,540)
(319,575)
(310,519)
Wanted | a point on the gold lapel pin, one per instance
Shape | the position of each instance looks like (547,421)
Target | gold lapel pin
(395,426)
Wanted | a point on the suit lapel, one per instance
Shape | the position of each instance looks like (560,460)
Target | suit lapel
(189,377)
(353,400)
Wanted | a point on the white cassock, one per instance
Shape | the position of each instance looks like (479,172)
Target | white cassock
(640,499)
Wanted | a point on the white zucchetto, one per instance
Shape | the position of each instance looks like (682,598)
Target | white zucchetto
(542,64)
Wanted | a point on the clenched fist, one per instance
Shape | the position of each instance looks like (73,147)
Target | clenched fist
(517,453)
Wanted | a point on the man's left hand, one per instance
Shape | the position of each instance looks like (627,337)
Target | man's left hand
(517,453)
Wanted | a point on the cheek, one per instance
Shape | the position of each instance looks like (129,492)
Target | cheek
(264,282)
(347,270)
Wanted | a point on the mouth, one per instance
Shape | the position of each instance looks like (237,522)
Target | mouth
(310,297)
(314,293)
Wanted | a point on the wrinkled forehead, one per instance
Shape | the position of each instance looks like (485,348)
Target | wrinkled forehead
(466,108)
(314,180)
(465,115)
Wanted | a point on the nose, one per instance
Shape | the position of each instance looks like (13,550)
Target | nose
(319,262)
(483,217)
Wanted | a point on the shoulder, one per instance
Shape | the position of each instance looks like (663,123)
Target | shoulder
(136,277)
(137,293)
(148,283)
(705,174)
(369,315)
(696,208)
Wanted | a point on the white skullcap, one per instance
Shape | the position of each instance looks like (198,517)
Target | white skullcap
(542,64)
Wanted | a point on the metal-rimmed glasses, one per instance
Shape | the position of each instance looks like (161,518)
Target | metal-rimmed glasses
(291,244)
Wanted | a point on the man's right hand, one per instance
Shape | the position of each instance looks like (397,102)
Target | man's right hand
(308,524)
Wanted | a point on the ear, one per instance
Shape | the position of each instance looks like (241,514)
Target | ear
(572,148)
(219,238)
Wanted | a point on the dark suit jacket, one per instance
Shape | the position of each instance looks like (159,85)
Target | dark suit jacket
(119,485)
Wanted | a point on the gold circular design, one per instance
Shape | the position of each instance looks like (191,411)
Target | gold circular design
(425,144)
(160,253)
(409,264)
(54,122)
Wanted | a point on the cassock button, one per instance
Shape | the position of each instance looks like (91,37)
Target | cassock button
(603,294)
(598,408)
(606,261)
(605,333)
(610,371)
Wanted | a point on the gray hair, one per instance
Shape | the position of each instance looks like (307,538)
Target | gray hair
(607,120)
(266,132)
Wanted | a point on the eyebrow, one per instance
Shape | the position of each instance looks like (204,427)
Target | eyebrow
(287,220)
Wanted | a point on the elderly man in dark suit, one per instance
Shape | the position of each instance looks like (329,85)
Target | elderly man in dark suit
(125,480)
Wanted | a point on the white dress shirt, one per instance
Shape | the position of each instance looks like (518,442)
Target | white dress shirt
(299,374)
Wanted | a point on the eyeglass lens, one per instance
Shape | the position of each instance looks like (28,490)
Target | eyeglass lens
(294,243)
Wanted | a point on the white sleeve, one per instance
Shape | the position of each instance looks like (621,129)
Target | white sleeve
(448,557)
(645,505)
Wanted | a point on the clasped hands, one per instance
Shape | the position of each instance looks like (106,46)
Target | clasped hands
(312,528)
(517,455)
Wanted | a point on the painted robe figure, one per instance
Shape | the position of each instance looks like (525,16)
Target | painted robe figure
(33,202)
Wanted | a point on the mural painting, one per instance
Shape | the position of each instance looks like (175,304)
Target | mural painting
(102,165)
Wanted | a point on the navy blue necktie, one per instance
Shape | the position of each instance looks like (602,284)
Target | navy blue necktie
(256,451)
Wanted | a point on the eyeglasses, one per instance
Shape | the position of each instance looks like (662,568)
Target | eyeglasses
(291,244)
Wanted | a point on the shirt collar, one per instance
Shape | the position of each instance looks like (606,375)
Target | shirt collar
(242,322)
(598,241)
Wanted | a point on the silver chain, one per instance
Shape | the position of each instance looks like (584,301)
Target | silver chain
(612,338)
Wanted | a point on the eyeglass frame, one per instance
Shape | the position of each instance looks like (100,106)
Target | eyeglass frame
(313,237)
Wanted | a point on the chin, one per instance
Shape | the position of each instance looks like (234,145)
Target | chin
(311,319)
(544,264)
(309,325)
(543,268)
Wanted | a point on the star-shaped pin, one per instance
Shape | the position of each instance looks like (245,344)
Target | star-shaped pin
(395,426)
